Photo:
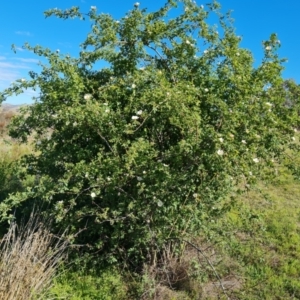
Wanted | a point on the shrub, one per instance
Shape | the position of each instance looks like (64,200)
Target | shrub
(145,149)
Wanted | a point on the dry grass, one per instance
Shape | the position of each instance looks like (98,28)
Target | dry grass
(5,117)
(29,257)
(191,273)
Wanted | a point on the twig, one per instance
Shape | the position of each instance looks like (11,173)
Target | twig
(209,263)
(106,142)
(163,59)
(149,115)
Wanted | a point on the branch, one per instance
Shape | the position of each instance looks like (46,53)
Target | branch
(162,58)
(209,263)
(106,142)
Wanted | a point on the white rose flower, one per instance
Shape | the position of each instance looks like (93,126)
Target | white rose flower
(93,195)
(87,96)
(159,203)
(134,117)
(221,140)
(256,160)
(139,112)
(220,152)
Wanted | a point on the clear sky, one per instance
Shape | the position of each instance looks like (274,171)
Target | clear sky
(23,21)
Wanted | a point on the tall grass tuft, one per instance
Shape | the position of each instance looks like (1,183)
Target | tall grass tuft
(29,258)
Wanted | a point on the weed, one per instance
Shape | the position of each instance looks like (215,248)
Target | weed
(29,257)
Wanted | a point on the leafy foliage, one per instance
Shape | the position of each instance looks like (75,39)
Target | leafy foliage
(144,149)
(76,286)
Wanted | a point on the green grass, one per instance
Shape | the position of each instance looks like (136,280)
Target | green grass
(84,285)
(263,241)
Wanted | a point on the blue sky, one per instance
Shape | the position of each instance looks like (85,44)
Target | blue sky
(23,21)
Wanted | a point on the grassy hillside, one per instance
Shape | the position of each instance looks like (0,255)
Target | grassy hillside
(262,244)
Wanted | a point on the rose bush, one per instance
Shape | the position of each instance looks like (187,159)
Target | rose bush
(148,147)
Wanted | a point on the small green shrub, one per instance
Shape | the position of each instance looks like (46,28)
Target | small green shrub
(84,285)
